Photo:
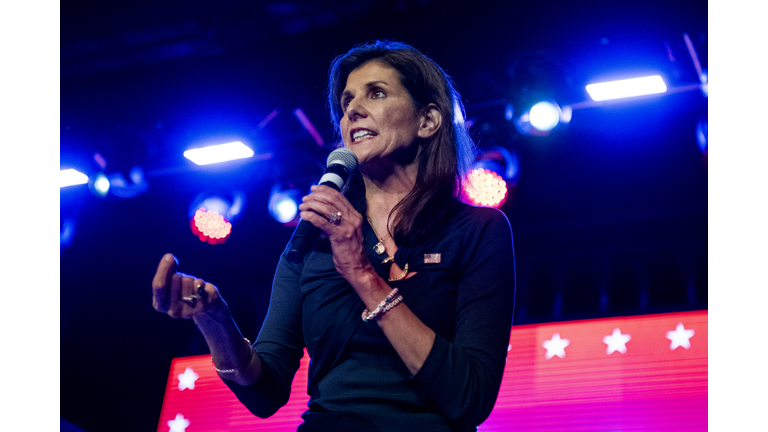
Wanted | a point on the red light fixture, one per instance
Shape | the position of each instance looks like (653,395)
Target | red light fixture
(485,188)
(210,226)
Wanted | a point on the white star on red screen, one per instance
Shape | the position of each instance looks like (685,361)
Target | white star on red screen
(187,379)
(616,342)
(680,337)
(179,424)
(556,346)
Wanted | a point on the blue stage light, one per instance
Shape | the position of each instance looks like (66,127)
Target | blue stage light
(542,118)
(545,116)
(283,204)
(499,160)
(626,88)
(99,185)
(702,135)
(125,189)
(286,209)
(509,112)
(67,232)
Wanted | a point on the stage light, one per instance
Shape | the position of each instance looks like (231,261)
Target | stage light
(124,189)
(212,215)
(219,153)
(702,135)
(509,112)
(71,177)
(66,233)
(283,204)
(484,188)
(542,118)
(540,88)
(545,116)
(626,88)
(499,160)
(99,185)
(704,78)
(210,226)
(702,73)
(286,210)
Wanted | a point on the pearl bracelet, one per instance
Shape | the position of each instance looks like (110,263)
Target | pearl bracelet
(238,369)
(383,307)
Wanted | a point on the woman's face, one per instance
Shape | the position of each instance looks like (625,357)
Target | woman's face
(379,122)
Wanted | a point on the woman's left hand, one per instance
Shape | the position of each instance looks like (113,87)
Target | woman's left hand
(345,234)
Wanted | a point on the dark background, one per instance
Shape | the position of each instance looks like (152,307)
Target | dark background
(609,214)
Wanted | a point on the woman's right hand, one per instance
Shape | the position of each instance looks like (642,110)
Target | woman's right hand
(180,295)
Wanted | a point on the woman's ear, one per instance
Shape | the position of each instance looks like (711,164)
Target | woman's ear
(431,119)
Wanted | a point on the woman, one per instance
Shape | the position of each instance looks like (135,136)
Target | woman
(432,277)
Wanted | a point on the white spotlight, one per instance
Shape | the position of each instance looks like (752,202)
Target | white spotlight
(285,210)
(71,177)
(626,88)
(100,185)
(219,153)
(541,119)
(545,116)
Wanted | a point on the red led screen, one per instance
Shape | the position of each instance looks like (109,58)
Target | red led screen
(641,373)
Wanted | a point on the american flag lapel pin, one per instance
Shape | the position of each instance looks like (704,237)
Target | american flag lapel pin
(433,258)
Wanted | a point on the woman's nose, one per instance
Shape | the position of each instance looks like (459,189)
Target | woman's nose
(355,109)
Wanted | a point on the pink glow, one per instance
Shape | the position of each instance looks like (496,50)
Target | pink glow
(650,387)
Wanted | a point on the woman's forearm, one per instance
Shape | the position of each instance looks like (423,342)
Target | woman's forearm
(409,336)
(230,351)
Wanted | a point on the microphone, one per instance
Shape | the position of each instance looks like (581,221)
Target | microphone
(341,165)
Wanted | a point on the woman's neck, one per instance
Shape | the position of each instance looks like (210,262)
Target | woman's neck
(384,192)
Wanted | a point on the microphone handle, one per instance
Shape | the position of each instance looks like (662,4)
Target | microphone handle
(306,234)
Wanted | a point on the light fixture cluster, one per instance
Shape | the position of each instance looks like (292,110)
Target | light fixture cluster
(485,188)
(210,226)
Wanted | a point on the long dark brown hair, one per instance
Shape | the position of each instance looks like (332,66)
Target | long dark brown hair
(445,158)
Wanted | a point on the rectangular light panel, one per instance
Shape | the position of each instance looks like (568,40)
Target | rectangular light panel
(636,373)
(626,88)
(219,153)
(71,177)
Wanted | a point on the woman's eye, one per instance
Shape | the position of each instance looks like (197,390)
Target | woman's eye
(377,94)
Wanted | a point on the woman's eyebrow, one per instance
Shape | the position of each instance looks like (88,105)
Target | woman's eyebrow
(369,85)
(375,83)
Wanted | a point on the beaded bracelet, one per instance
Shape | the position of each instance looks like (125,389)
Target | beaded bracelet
(238,369)
(383,307)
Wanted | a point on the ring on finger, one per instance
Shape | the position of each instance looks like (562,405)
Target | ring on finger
(192,300)
(335,218)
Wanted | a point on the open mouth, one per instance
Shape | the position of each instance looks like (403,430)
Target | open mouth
(361,134)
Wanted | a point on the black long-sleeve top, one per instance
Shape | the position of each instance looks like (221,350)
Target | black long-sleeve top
(467,299)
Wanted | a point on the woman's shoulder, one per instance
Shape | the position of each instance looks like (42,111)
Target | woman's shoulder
(472,224)
(481,215)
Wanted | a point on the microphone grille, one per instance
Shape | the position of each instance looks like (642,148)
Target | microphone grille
(343,156)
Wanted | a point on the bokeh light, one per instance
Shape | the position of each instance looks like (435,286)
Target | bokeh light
(99,185)
(285,210)
(484,188)
(545,116)
(210,226)
(283,204)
